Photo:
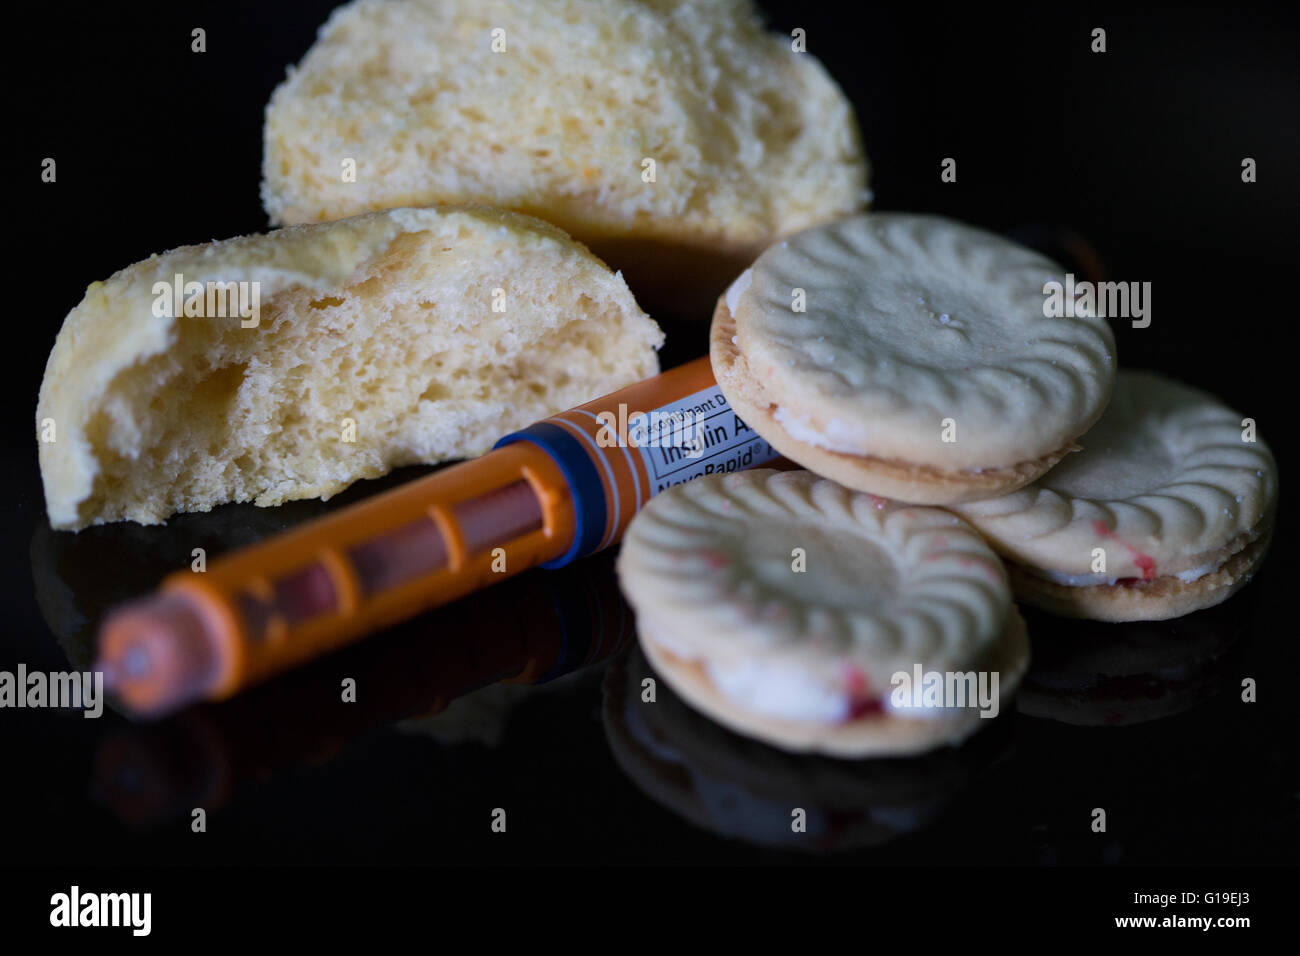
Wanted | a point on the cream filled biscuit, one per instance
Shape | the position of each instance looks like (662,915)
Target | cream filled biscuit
(910,356)
(789,608)
(1167,509)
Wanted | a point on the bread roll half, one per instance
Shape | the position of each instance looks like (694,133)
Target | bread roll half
(288,365)
(677,138)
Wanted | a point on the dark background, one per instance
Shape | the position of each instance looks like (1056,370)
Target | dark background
(1137,150)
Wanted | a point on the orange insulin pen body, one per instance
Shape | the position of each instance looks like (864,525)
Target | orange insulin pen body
(560,489)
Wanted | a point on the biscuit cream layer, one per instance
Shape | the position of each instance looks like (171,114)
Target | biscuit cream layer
(1092,580)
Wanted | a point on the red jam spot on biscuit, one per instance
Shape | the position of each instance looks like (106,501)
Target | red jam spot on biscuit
(865,708)
(714,559)
(938,544)
(860,704)
(855,681)
(1145,563)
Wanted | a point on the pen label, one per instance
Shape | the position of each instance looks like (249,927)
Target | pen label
(692,437)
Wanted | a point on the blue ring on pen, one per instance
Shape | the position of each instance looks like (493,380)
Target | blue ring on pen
(585,487)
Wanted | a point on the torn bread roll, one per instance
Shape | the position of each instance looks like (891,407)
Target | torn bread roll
(273,367)
(677,138)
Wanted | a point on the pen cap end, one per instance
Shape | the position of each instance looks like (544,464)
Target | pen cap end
(159,654)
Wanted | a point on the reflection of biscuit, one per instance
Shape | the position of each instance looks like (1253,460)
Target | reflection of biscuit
(1126,673)
(909,356)
(1166,492)
(738,787)
(557,109)
(407,336)
(806,659)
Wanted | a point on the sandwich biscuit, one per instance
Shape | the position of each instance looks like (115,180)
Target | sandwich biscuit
(1167,509)
(910,357)
(788,608)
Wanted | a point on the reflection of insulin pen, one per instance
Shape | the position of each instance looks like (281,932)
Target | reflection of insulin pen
(560,489)
(539,630)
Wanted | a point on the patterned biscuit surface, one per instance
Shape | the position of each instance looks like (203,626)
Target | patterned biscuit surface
(804,658)
(908,321)
(900,480)
(1165,485)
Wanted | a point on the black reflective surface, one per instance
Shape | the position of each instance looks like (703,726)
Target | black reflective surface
(1138,152)
(528,697)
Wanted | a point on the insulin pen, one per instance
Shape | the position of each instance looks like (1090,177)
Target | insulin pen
(547,495)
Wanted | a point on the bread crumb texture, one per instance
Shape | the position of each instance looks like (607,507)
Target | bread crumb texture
(750,139)
(385,321)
